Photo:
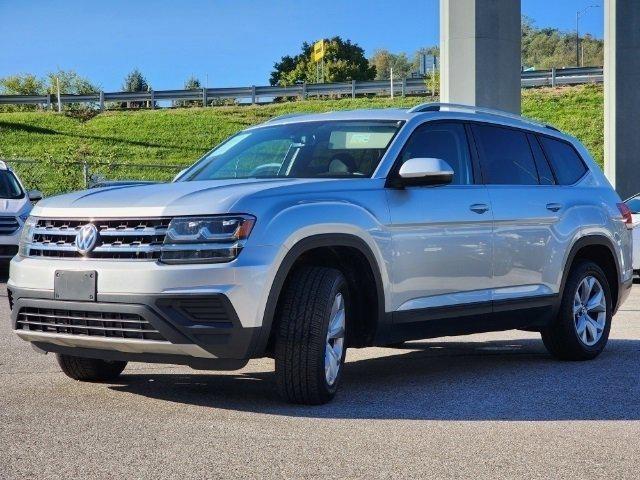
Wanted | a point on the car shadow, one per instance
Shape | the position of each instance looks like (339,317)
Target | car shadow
(499,380)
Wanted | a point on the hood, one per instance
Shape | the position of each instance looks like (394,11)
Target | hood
(167,199)
(14,206)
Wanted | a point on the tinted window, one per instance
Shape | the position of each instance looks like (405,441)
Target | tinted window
(544,171)
(568,166)
(446,141)
(505,156)
(634,204)
(9,186)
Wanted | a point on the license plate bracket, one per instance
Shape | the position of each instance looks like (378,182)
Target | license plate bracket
(75,285)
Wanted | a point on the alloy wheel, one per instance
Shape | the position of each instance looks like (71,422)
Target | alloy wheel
(335,340)
(590,311)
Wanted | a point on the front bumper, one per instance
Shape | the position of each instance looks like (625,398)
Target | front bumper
(202,331)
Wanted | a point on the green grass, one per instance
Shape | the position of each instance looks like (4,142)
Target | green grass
(180,136)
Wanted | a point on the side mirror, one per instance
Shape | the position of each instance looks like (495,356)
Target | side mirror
(179,174)
(425,171)
(34,195)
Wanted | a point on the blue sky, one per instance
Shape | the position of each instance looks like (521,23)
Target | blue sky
(234,43)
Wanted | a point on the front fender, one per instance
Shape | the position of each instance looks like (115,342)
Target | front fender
(302,227)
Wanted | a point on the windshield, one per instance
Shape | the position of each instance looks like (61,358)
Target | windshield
(9,186)
(333,149)
(634,204)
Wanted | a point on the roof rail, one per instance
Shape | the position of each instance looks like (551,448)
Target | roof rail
(438,107)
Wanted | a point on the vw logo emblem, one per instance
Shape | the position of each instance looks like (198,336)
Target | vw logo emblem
(86,238)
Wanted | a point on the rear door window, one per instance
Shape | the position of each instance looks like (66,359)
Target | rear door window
(505,155)
(544,170)
(564,159)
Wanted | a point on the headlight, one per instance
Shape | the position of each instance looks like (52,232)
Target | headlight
(206,239)
(27,235)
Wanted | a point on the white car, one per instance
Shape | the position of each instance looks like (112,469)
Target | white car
(15,205)
(634,205)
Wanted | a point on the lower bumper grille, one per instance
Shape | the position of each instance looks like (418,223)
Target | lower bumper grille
(8,250)
(94,324)
(8,225)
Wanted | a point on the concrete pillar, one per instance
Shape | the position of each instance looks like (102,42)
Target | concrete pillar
(480,53)
(622,95)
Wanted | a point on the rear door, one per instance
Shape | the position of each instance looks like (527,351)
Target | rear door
(441,234)
(526,208)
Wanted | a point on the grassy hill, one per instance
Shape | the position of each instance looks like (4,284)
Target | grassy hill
(178,137)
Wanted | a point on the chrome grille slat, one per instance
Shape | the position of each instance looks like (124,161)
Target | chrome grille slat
(87,323)
(70,317)
(86,327)
(103,233)
(126,239)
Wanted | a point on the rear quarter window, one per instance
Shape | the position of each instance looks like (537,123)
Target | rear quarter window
(564,159)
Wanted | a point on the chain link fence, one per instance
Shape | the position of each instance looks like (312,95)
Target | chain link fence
(59,176)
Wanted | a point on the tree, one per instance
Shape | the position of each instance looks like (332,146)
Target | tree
(384,61)
(73,84)
(70,83)
(550,47)
(343,61)
(192,83)
(25,84)
(135,82)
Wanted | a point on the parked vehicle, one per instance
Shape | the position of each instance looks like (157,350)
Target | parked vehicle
(305,235)
(634,206)
(15,205)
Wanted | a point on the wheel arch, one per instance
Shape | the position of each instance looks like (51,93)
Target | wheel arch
(593,247)
(295,253)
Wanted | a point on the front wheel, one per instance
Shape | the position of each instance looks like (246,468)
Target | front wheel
(310,338)
(581,330)
(89,369)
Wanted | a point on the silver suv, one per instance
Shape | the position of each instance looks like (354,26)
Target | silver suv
(305,235)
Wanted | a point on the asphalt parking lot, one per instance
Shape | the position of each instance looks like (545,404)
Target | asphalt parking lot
(481,406)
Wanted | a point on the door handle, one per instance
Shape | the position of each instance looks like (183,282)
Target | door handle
(554,207)
(479,208)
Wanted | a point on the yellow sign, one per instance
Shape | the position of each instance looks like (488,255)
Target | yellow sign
(318,51)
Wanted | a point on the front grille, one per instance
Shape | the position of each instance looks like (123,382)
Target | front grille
(133,239)
(8,225)
(92,324)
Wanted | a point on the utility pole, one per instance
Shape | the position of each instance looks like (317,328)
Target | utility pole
(579,15)
(58,89)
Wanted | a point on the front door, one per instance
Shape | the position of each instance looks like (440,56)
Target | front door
(442,235)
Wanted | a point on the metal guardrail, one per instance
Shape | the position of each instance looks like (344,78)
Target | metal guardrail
(409,86)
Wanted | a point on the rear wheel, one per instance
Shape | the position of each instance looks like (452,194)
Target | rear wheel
(89,369)
(581,330)
(311,332)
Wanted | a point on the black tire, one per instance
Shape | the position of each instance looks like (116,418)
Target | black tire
(89,369)
(561,338)
(301,335)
